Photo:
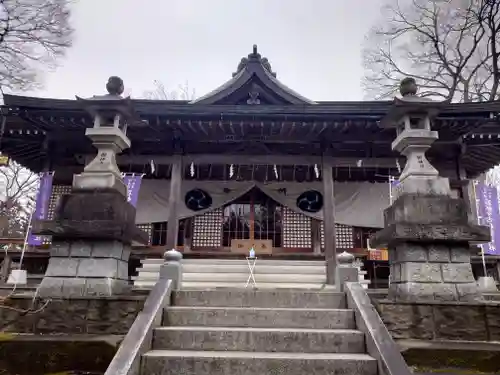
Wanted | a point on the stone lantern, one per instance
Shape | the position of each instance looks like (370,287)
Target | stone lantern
(94,225)
(427,231)
(412,117)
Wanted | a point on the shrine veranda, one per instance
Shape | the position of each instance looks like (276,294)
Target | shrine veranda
(258,165)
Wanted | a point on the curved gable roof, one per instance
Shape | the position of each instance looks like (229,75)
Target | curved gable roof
(255,78)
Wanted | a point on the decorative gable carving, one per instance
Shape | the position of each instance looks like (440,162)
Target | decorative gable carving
(253,83)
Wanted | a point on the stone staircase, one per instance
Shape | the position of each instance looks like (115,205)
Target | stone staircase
(233,273)
(262,332)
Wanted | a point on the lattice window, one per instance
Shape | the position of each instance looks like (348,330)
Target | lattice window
(344,236)
(296,230)
(207,230)
(148,228)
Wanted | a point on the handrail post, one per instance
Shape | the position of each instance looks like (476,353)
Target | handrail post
(172,268)
(346,271)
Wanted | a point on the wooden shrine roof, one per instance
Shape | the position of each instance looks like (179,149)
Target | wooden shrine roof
(252,113)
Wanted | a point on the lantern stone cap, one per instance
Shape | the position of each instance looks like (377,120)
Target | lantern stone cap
(172,256)
(410,104)
(112,102)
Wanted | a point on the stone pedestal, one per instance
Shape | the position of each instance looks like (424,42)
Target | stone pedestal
(92,232)
(86,268)
(428,240)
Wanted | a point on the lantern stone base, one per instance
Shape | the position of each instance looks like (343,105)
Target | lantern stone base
(91,236)
(428,241)
(85,268)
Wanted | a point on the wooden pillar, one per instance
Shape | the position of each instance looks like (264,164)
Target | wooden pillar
(468,193)
(329,221)
(252,218)
(316,236)
(173,203)
(188,234)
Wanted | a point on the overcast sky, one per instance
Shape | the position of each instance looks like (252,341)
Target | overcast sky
(314,46)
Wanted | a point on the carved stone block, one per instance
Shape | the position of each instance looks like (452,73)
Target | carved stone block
(438,253)
(460,253)
(430,233)
(457,273)
(468,292)
(108,249)
(62,267)
(60,249)
(89,269)
(80,249)
(420,272)
(412,291)
(426,209)
(409,252)
(423,185)
(93,215)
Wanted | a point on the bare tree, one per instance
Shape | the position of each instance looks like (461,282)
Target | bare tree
(160,92)
(18,188)
(451,47)
(33,35)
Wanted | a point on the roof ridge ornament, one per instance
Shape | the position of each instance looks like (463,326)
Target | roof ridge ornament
(254,57)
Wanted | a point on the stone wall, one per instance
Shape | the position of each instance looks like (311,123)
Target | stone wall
(19,356)
(110,316)
(441,321)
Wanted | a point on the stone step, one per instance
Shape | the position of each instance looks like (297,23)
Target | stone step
(259,317)
(172,362)
(240,268)
(259,339)
(242,277)
(269,262)
(260,298)
(200,285)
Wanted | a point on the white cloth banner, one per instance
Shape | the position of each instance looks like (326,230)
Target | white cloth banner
(356,203)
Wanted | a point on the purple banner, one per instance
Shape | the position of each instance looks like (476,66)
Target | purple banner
(488,213)
(41,206)
(133,183)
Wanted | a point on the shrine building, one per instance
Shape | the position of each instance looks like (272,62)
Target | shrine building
(253,164)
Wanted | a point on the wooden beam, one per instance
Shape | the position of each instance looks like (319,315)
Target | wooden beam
(258,159)
(173,202)
(329,221)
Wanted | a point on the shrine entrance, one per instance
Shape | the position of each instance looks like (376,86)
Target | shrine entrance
(253,220)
